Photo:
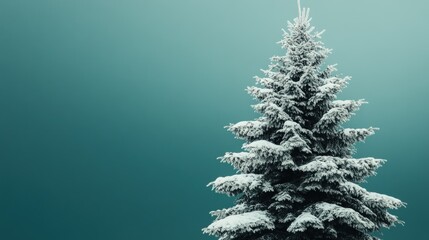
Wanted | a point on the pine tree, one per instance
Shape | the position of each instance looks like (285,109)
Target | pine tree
(296,178)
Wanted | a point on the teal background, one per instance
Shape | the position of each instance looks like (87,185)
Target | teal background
(112,112)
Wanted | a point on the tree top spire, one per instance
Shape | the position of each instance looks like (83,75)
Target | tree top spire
(303,13)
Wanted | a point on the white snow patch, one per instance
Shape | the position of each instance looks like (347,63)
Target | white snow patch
(303,222)
(246,222)
(265,148)
(240,182)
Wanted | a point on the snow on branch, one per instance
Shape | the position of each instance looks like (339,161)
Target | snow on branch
(333,85)
(328,91)
(259,93)
(265,149)
(353,135)
(350,105)
(360,168)
(322,170)
(336,169)
(273,112)
(287,192)
(305,221)
(332,118)
(328,71)
(237,209)
(241,223)
(247,129)
(239,183)
(243,161)
(340,112)
(295,137)
(371,199)
(328,212)
(267,81)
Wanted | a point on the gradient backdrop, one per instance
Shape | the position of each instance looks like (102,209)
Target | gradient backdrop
(112,112)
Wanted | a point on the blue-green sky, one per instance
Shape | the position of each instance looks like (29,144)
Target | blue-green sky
(112,112)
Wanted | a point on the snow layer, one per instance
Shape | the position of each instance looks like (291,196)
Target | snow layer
(248,129)
(246,222)
(328,212)
(245,162)
(234,184)
(265,148)
(303,222)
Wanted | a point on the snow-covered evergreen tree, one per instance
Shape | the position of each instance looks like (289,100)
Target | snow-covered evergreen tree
(296,177)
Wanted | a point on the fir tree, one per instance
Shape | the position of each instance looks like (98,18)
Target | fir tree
(296,177)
